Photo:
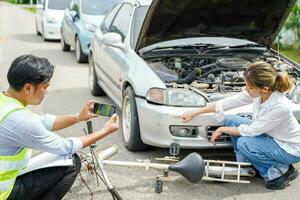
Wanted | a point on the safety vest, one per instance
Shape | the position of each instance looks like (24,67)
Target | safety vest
(11,165)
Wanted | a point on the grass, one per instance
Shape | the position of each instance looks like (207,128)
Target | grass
(32,9)
(292,54)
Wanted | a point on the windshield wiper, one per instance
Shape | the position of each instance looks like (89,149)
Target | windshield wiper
(234,47)
(204,45)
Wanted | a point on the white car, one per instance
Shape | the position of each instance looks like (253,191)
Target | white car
(157,59)
(48,18)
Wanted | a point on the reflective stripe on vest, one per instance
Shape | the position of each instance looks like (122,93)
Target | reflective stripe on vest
(6,184)
(11,165)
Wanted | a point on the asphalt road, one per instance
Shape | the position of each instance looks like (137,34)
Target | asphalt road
(69,92)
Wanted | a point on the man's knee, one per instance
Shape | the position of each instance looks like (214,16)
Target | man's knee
(77,164)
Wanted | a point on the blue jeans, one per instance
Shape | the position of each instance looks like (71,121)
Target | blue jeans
(265,155)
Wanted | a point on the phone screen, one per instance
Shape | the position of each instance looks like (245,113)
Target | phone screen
(104,109)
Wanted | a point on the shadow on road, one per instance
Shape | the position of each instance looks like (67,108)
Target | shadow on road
(27,37)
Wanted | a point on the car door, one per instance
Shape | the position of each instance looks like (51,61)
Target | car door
(104,28)
(69,28)
(112,58)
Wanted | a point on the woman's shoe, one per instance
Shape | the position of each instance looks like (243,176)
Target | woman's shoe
(282,181)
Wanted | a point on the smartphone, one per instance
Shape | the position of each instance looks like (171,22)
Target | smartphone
(104,109)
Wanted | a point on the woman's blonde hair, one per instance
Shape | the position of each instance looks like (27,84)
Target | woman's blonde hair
(262,74)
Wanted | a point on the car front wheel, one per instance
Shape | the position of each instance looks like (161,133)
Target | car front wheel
(130,122)
(95,89)
(43,33)
(80,57)
(36,28)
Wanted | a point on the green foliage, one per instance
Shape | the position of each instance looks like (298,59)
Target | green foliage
(292,54)
(293,23)
(32,9)
(21,1)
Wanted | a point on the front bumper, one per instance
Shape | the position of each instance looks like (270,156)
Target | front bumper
(52,31)
(155,122)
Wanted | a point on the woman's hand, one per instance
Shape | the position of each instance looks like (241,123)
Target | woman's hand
(113,123)
(87,112)
(216,135)
(186,116)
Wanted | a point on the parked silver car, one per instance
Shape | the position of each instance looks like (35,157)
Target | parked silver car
(158,59)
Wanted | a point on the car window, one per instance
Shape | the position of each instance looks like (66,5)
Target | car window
(58,4)
(122,21)
(97,7)
(105,25)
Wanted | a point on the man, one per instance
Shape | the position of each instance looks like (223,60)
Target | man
(21,130)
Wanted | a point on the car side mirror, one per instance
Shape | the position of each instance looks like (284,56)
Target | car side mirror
(73,14)
(39,7)
(114,40)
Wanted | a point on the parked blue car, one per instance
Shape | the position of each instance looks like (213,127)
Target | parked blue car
(81,18)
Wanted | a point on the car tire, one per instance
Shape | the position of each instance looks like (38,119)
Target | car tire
(36,28)
(64,46)
(130,123)
(43,33)
(95,89)
(80,57)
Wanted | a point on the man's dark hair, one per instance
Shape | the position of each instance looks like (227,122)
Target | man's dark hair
(29,69)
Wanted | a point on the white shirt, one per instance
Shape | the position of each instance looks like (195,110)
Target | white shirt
(23,129)
(273,117)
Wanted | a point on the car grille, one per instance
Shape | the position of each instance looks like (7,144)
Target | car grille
(222,139)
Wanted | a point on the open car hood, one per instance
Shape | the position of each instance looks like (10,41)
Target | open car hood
(255,20)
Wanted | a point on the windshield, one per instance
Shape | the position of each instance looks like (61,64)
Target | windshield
(97,7)
(58,4)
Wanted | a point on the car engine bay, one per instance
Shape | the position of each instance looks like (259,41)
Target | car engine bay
(214,74)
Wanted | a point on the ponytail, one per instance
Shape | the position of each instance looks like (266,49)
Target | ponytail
(262,74)
(282,82)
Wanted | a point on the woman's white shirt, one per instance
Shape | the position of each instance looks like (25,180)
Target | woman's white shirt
(273,117)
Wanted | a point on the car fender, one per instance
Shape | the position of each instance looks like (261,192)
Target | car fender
(140,76)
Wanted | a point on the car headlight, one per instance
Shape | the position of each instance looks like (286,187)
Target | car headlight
(90,27)
(175,97)
(296,96)
(50,20)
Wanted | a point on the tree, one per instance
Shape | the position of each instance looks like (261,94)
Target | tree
(293,22)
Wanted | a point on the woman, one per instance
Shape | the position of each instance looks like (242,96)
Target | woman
(271,142)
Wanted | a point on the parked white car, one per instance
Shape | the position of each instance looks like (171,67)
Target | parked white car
(157,59)
(48,18)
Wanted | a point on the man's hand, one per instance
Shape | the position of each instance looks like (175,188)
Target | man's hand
(216,135)
(87,112)
(186,116)
(109,127)
(113,123)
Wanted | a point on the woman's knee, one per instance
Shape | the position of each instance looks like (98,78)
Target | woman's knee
(243,144)
(231,120)
(235,120)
